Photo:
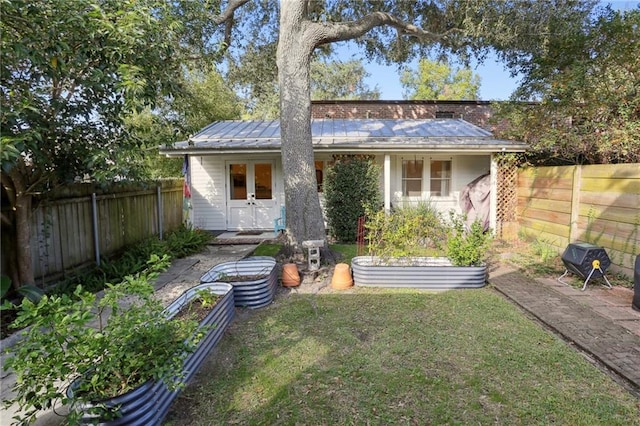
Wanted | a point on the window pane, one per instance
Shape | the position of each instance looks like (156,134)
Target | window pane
(412,178)
(412,169)
(263,181)
(440,178)
(238,179)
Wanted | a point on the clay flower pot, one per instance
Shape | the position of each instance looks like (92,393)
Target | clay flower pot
(290,275)
(341,277)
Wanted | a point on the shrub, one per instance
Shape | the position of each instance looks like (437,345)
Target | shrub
(409,231)
(467,247)
(179,243)
(349,186)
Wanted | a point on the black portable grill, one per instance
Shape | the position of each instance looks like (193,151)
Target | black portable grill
(587,261)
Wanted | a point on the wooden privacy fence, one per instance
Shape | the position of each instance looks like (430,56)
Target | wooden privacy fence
(80,225)
(597,204)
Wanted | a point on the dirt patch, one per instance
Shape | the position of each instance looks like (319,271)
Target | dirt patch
(197,309)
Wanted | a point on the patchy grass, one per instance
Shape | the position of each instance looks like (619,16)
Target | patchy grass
(381,356)
(267,249)
(347,251)
(539,259)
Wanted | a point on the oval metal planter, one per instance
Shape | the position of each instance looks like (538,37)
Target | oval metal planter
(149,403)
(434,273)
(250,294)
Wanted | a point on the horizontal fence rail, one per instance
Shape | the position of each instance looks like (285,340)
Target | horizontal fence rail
(597,204)
(74,229)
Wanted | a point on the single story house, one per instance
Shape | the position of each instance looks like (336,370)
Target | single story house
(235,175)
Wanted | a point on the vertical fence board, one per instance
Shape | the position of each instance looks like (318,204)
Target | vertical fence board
(605,208)
(62,233)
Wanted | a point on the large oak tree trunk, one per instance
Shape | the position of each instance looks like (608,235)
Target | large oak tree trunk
(304,215)
(21,267)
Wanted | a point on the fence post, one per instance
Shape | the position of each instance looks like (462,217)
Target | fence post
(96,242)
(159,192)
(575,202)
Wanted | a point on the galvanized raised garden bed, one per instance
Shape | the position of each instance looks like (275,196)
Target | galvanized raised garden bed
(254,280)
(149,403)
(435,273)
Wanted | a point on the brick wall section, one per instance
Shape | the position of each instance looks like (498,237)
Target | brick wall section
(475,112)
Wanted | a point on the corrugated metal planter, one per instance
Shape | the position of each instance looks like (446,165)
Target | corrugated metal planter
(436,273)
(248,292)
(149,403)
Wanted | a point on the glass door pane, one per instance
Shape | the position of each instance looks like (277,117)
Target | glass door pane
(238,181)
(263,181)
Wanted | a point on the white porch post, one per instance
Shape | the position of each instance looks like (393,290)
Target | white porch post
(387,183)
(493,195)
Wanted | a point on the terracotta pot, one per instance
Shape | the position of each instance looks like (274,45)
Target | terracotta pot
(290,275)
(341,277)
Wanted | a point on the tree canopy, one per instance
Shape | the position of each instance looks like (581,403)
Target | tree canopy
(330,80)
(438,80)
(205,97)
(588,88)
(70,71)
(337,80)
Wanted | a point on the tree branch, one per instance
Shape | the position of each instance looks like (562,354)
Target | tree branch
(227,17)
(227,14)
(332,32)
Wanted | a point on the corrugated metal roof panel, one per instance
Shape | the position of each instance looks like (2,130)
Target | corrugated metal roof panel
(348,133)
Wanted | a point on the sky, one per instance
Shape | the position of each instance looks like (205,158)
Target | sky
(496,82)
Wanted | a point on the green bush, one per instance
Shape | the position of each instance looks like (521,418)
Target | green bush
(467,247)
(349,186)
(406,232)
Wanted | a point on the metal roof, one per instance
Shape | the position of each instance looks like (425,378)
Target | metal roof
(349,135)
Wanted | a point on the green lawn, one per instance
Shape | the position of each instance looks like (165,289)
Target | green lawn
(369,356)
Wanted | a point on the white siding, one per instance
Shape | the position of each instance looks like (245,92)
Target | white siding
(208,192)
(469,168)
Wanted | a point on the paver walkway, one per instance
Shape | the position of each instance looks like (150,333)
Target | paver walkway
(599,321)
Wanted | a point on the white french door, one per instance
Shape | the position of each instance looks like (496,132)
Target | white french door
(251,200)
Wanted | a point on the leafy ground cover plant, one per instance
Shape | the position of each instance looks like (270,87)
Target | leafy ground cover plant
(69,336)
(179,243)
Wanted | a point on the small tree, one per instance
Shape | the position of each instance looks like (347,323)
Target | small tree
(438,80)
(350,186)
